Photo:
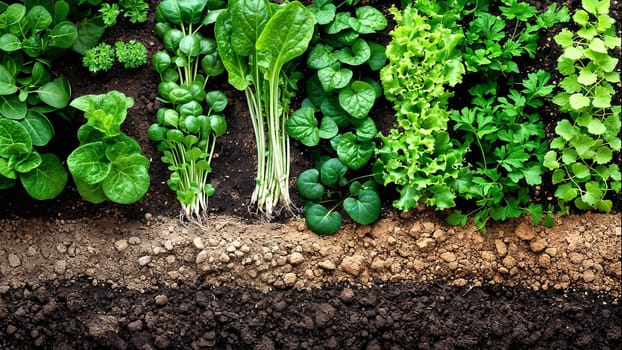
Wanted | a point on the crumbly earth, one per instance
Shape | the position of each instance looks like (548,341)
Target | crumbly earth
(79,276)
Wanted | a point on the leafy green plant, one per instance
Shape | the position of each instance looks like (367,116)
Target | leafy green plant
(135,10)
(507,142)
(99,58)
(109,13)
(132,54)
(424,58)
(188,127)
(582,155)
(488,48)
(31,37)
(338,106)
(257,42)
(108,163)
(322,187)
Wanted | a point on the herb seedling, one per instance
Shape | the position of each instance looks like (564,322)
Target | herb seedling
(132,54)
(99,58)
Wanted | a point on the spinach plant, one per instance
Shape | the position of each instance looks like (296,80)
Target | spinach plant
(258,41)
(582,155)
(424,59)
(188,126)
(337,110)
(31,37)
(108,164)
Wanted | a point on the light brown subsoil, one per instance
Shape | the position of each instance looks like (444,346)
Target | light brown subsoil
(580,252)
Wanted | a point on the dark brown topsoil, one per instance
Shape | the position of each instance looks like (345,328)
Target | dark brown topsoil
(79,315)
(84,314)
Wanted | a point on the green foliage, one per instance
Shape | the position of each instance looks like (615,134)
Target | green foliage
(258,42)
(186,129)
(338,105)
(109,13)
(507,142)
(423,60)
(108,163)
(135,10)
(132,54)
(31,37)
(488,47)
(582,155)
(324,185)
(99,58)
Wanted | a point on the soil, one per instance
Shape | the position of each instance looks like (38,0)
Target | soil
(79,276)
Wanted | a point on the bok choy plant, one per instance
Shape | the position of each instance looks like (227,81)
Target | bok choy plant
(189,124)
(256,42)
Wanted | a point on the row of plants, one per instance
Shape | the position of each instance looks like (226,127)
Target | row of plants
(34,100)
(484,153)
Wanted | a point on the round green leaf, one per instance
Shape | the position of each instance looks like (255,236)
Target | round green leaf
(333,78)
(578,101)
(55,93)
(357,99)
(366,131)
(333,172)
(321,56)
(352,153)
(191,108)
(322,221)
(39,18)
(218,124)
(302,126)
(13,133)
(308,185)
(368,20)
(216,100)
(63,35)
(128,180)
(366,208)
(190,45)
(29,162)
(161,61)
(39,127)
(10,42)
(355,55)
(88,163)
(156,132)
(47,180)
(7,81)
(328,128)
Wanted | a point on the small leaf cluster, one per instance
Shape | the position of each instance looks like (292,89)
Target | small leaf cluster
(319,187)
(487,46)
(108,164)
(187,127)
(131,54)
(135,10)
(582,155)
(340,95)
(31,37)
(424,59)
(507,141)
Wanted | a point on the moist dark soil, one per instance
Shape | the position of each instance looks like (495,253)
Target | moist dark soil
(74,275)
(79,315)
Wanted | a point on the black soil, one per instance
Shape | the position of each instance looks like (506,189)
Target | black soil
(81,315)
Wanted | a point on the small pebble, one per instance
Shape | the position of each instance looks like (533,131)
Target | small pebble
(161,300)
(144,260)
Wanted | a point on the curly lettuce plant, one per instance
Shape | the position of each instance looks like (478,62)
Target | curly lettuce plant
(187,128)
(108,164)
(337,110)
(258,41)
(417,155)
(582,155)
